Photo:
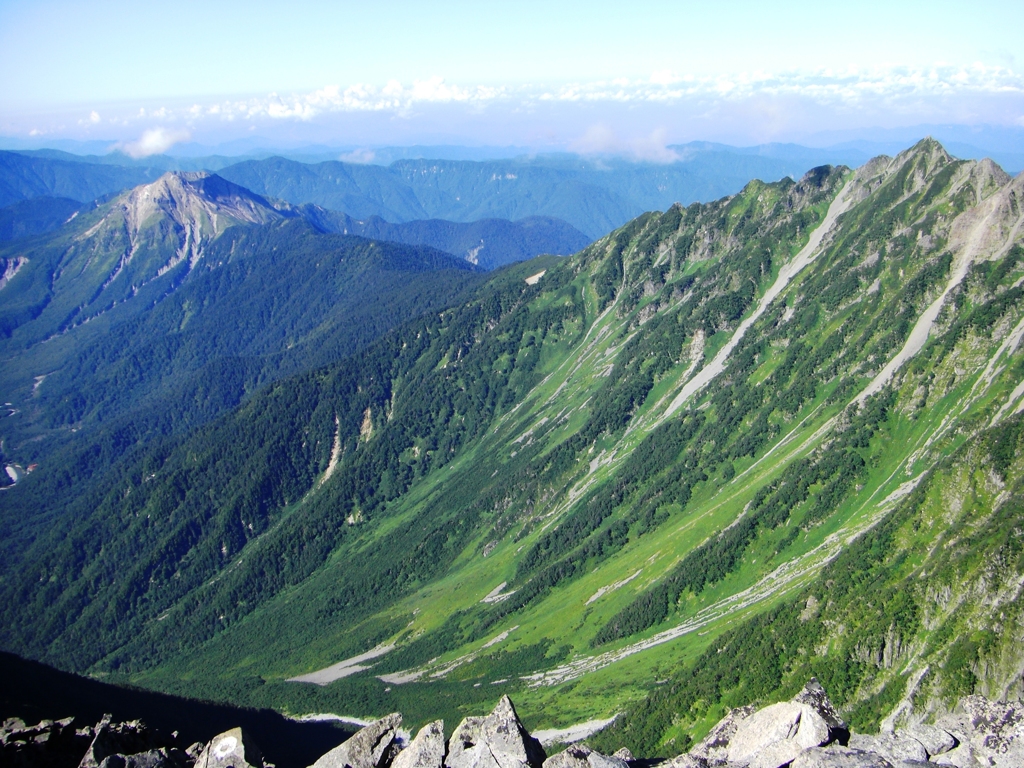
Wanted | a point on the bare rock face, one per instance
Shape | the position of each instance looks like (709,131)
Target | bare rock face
(582,756)
(496,741)
(835,756)
(426,750)
(231,749)
(371,747)
(774,736)
(466,740)
(770,737)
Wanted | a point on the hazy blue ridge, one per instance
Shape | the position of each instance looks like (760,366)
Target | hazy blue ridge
(23,177)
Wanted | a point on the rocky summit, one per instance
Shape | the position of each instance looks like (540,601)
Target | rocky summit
(804,732)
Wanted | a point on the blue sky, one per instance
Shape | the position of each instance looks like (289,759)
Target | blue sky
(591,76)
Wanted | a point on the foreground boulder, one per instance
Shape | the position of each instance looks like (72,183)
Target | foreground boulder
(770,737)
(426,750)
(231,749)
(496,741)
(582,756)
(371,747)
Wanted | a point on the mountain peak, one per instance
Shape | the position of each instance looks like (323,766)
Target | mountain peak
(197,201)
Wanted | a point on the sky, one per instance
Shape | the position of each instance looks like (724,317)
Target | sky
(584,76)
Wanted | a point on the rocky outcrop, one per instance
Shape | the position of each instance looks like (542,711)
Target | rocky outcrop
(896,748)
(496,741)
(715,746)
(805,732)
(837,756)
(808,732)
(372,747)
(48,743)
(59,744)
(582,756)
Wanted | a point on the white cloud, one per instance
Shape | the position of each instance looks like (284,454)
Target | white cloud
(361,156)
(828,86)
(768,103)
(600,139)
(154,141)
(94,117)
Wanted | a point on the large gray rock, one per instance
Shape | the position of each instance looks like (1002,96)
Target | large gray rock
(894,747)
(715,746)
(370,747)
(814,696)
(496,741)
(426,750)
(774,736)
(582,756)
(935,740)
(231,749)
(835,756)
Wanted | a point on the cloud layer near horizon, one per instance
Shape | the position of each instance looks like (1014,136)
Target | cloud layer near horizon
(654,110)
(851,87)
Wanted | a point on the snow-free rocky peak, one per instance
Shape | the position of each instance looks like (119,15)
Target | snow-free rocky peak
(196,199)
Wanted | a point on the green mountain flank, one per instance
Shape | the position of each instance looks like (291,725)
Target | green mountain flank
(720,450)
(162,308)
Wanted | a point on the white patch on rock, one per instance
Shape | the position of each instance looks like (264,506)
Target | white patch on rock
(534,279)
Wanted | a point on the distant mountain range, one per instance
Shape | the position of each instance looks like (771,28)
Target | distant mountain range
(488,242)
(593,195)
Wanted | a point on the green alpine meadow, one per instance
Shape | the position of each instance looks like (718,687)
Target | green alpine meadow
(721,450)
